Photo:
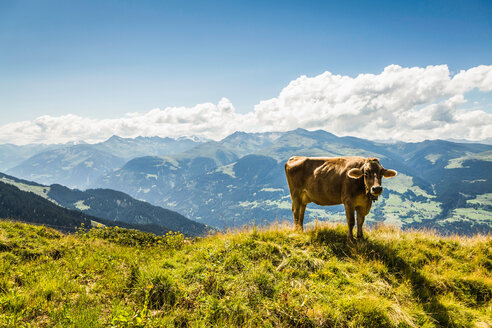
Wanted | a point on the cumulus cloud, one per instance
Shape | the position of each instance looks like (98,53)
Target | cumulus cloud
(208,120)
(409,104)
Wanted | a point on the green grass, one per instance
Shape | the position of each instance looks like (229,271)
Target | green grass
(484,199)
(38,190)
(276,277)
(405,211)
(469,214)
(457,163)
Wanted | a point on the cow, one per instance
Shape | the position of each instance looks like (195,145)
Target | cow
(354,182)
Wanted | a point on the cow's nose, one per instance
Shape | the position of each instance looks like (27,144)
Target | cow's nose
(377,190)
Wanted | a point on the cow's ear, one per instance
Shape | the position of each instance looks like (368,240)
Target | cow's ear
(389,173)
(355,173)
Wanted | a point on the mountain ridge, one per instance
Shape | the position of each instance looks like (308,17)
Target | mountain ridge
(443,185)
(218,194)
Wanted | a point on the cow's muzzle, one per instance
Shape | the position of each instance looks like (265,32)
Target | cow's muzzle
(376,191)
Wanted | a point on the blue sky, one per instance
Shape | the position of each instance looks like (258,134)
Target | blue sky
(102,59)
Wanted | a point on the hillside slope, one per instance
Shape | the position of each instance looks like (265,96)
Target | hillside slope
(79,166)
(111,205)
(12,155)
(272,278)
(27,206)
(76,166)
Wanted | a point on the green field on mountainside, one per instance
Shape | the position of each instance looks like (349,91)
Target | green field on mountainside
(276,277)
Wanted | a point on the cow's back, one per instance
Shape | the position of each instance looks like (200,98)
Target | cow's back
(300,169)
(321,180)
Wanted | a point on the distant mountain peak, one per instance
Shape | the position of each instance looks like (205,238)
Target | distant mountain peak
(487,141)
(114,137)
(192,138)
(238,133)
(304,132)
(74,143)
(154,138)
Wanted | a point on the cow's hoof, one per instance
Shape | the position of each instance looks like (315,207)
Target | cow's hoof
(350,240)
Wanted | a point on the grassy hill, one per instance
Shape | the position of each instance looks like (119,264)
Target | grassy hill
(270,278)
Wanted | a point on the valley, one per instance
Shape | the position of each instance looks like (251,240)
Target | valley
(240,179)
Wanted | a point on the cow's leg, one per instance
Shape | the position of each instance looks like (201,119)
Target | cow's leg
(360,222)
(295,213)
(302,210)
(298,212)
(349,212)
(299,216)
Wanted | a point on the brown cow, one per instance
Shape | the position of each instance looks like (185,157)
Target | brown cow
(352,181)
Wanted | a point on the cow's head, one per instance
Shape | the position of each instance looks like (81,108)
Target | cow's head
(372,171)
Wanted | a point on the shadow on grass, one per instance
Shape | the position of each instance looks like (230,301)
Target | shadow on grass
(423,289)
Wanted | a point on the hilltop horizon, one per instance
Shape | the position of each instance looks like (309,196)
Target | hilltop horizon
(199,139)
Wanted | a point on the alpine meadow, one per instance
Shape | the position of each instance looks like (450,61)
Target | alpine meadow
(270,278)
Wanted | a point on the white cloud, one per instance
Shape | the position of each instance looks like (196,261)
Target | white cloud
(208,120)
(409,104)
(400,103)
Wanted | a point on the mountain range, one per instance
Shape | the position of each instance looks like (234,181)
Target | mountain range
(80,165)
(442,185)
